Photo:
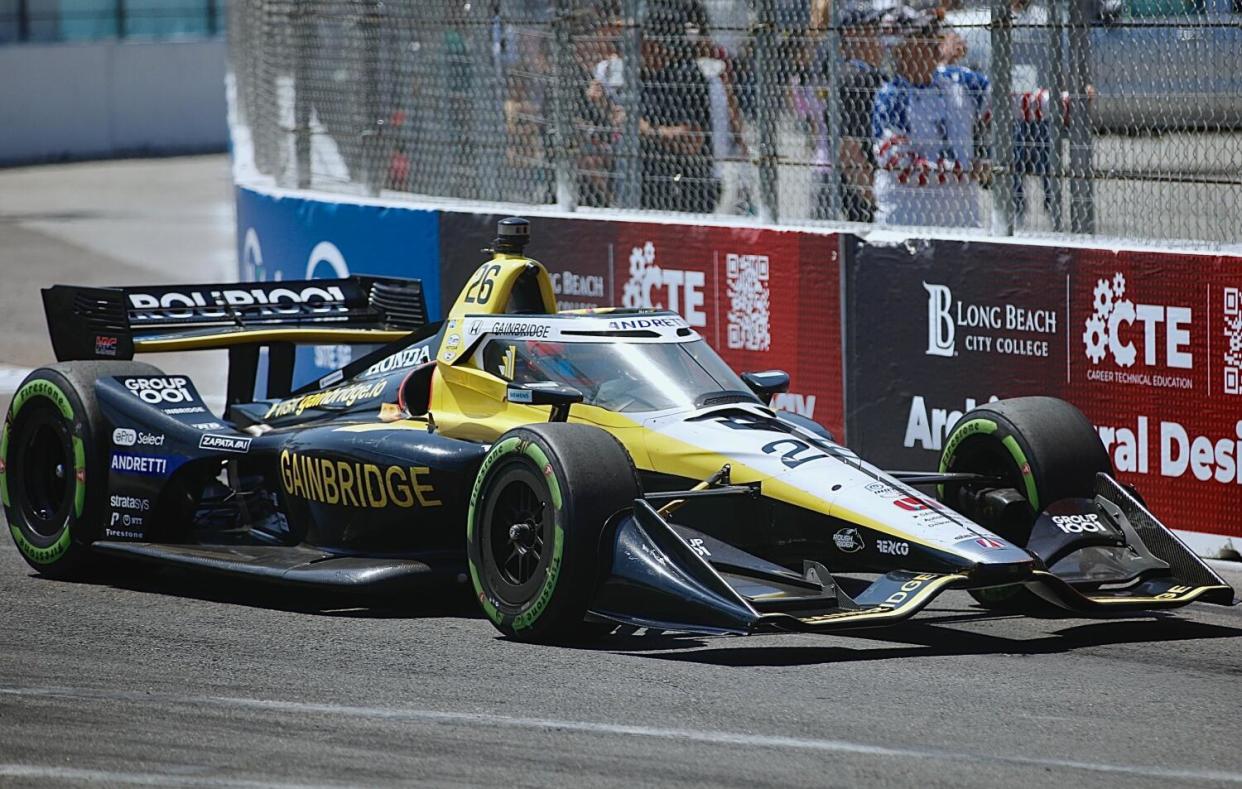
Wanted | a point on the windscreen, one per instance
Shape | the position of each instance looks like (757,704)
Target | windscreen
(625,377)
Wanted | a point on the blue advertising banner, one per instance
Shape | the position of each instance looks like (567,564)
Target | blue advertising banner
(282,238)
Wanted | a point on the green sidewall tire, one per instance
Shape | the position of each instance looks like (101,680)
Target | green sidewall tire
(61,397)
(586,476)
(1045,447)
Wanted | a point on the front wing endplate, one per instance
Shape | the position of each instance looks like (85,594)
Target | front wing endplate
(892,598)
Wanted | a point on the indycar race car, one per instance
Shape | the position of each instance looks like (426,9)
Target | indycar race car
(578,470)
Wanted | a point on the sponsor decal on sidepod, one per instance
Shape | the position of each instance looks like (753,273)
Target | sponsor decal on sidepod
(239,444)
(848,540)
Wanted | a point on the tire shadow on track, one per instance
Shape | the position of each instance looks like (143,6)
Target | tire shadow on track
(401,603)
(922,640)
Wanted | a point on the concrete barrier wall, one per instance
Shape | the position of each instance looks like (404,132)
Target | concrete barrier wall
(111,98)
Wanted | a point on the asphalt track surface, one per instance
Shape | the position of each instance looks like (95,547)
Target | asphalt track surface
(158,678)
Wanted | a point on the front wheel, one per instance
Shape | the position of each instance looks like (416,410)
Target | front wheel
(1043,448)
(537,511)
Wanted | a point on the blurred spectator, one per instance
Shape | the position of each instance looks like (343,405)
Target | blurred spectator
(599,116)
(730,23)
(923,126)
(674,123)
(862,54)
(526,109)
(730,156)
(861,77)
(1035,110)
(852,169)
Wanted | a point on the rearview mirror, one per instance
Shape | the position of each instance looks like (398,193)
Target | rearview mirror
(767,383)
(559,396)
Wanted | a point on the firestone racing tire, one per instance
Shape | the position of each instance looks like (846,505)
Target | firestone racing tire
(1043,447)
(54,464)
(537,511)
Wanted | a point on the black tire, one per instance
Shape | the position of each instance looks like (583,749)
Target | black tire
(54,464)
(536,484)
(1043,447)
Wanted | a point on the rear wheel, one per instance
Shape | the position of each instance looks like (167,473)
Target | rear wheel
(53,463)
(537,511)
(1042,447)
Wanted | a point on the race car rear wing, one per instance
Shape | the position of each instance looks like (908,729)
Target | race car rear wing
(117,322)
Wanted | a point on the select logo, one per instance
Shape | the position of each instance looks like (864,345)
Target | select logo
(128,437)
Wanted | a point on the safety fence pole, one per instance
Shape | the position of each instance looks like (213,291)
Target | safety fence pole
(767,90)
(300,17)
(1002,165)
(1056,56)
(1082,186)
(563,141)
(628,161)
(837,173)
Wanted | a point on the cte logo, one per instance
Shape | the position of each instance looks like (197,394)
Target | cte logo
(1107,331)
(684,289)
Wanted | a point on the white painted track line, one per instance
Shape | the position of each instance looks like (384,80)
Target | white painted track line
(706,736)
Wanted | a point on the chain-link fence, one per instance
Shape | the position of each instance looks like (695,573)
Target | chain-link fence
(1113,118)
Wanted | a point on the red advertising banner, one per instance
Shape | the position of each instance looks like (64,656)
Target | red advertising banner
(1156,362)
(763,299)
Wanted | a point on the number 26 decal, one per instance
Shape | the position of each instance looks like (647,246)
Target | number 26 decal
(480,290)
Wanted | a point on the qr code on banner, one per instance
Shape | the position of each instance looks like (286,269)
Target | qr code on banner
(1233,341)
(749,302)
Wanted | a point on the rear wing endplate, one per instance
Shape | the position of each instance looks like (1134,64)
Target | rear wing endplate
(118,322)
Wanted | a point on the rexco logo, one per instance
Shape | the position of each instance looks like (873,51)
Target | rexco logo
(682,289)
(1110,332)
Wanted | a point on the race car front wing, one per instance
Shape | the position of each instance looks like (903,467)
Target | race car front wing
(669,577)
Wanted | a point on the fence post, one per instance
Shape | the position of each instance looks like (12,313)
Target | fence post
(1056,56)
(836,174)
(767,92)
(1082,187)
(301,25)
(629,163)
(1001,30)
(496,149)
(373,137)
(564,143)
